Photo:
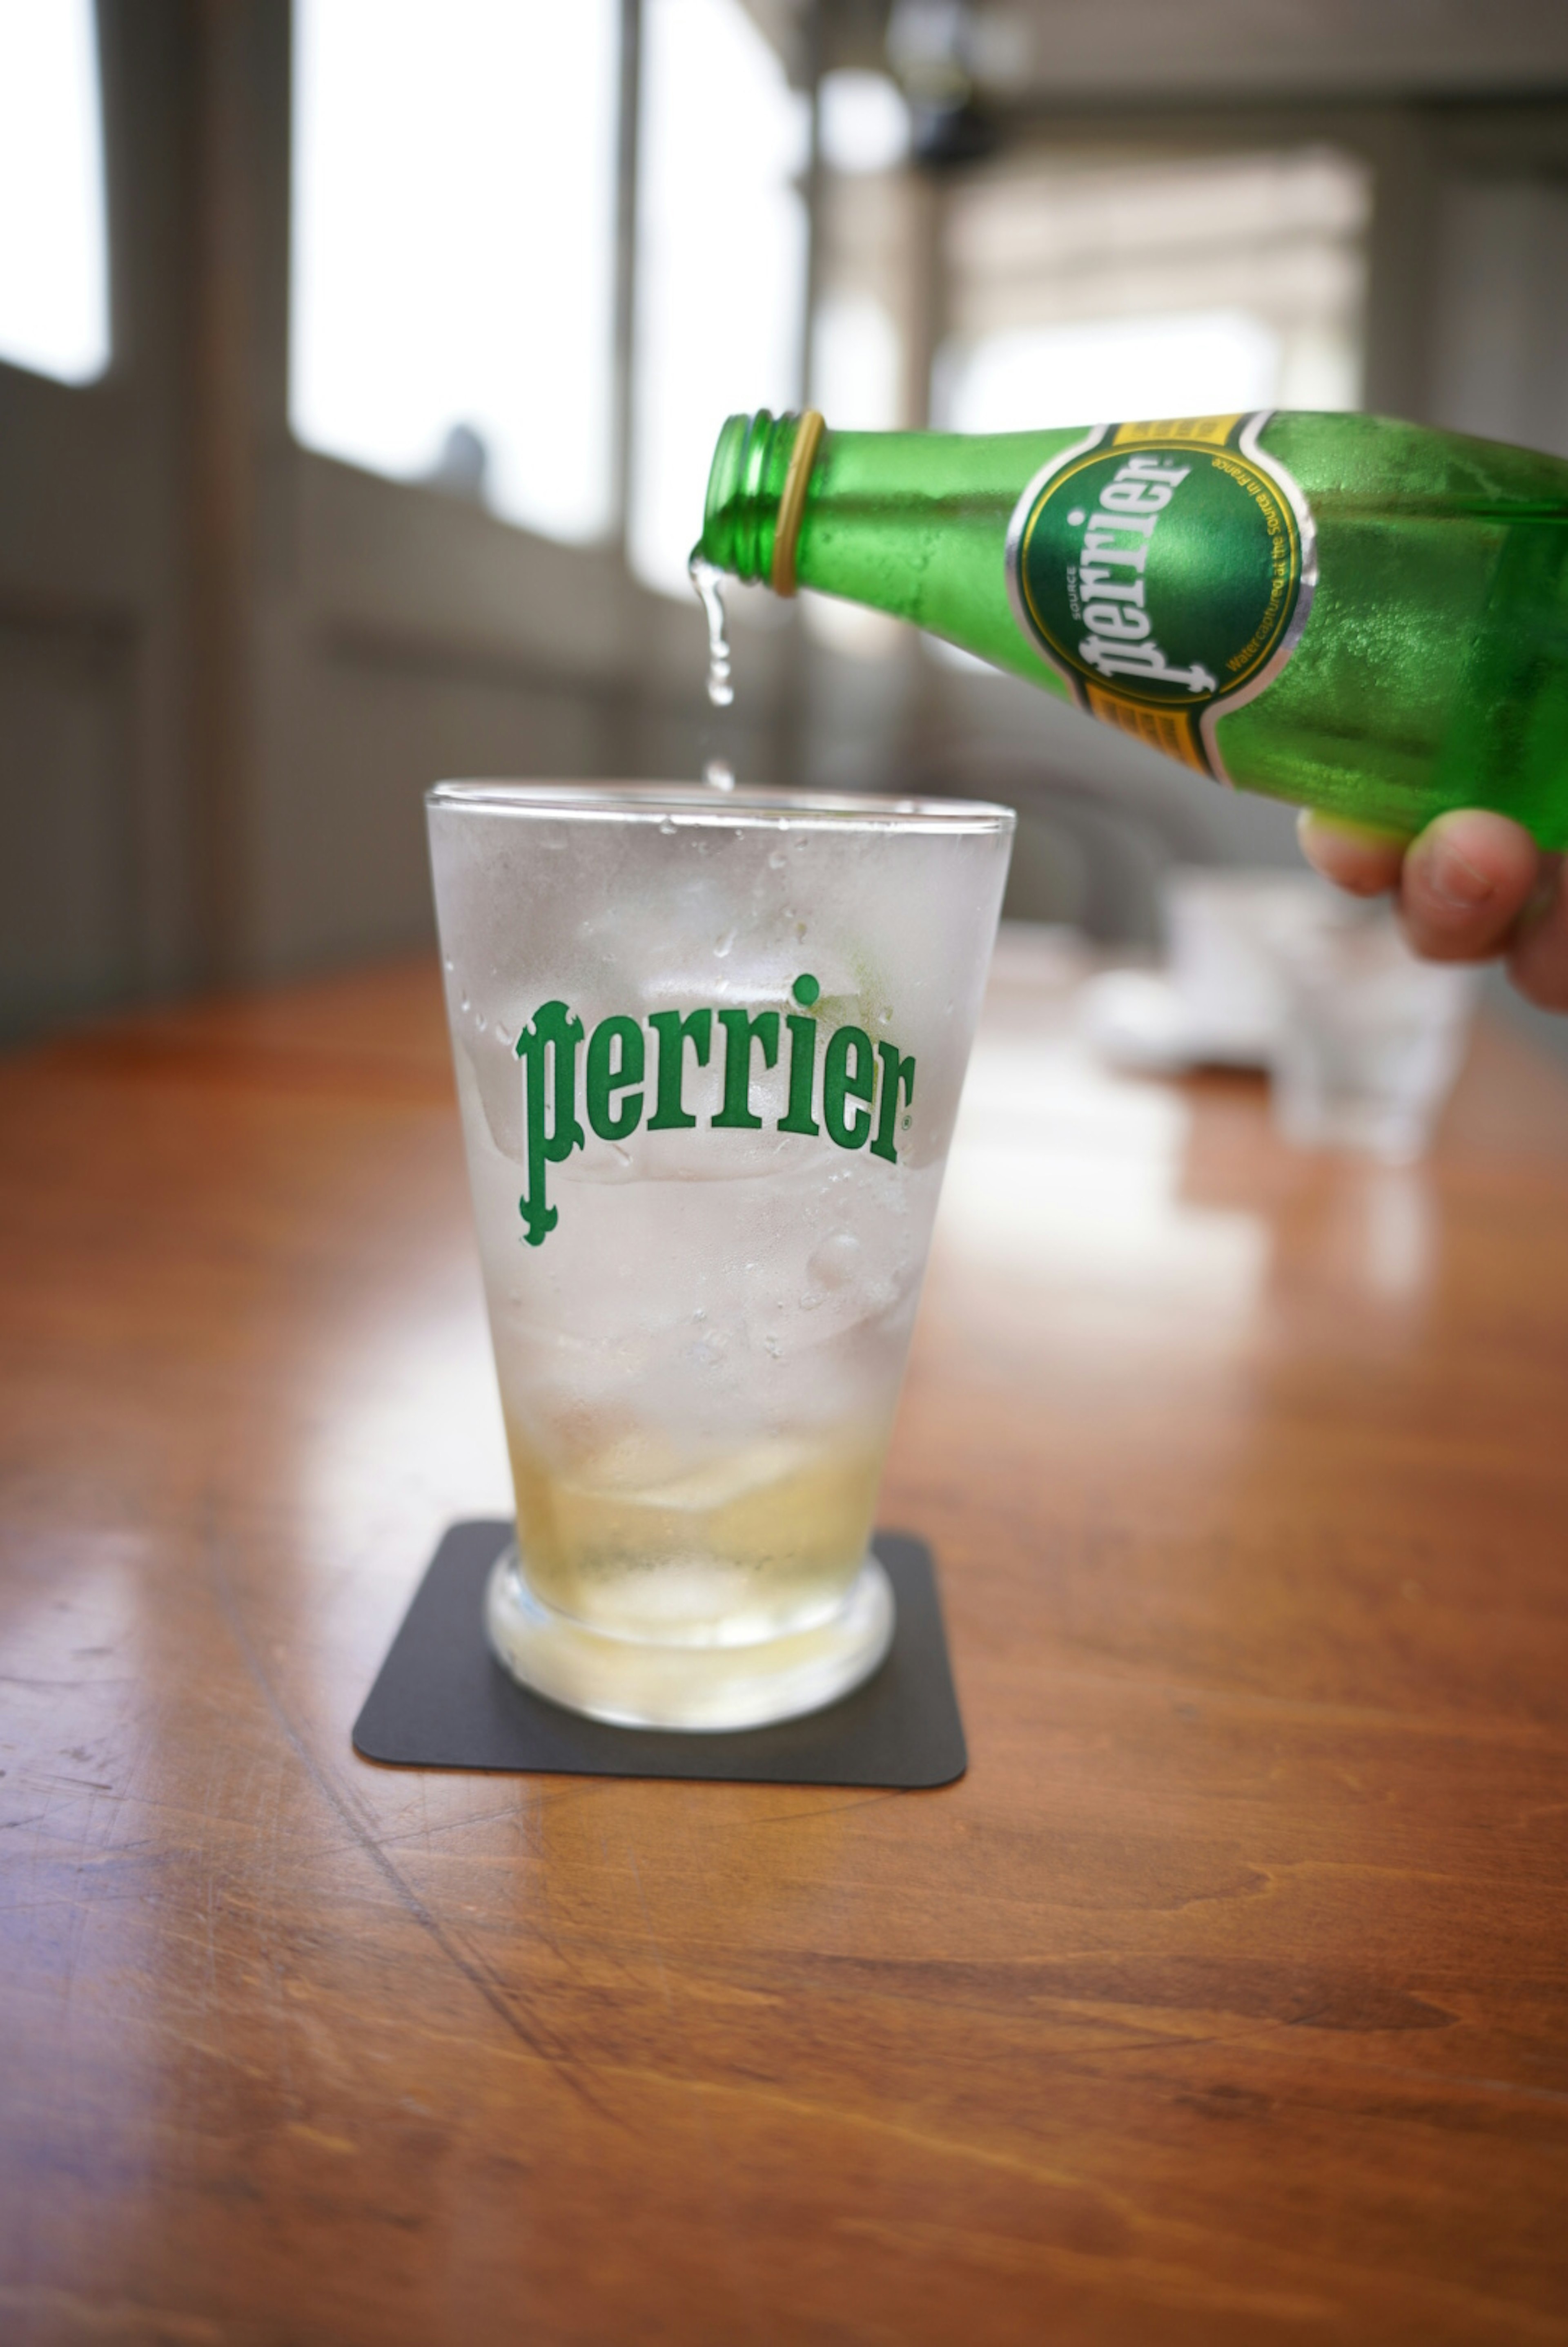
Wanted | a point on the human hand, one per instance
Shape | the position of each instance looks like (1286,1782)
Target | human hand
(1473,887)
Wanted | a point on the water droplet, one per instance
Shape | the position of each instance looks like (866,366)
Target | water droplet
(449,966)
(836,1260)
(466,1004)
(482,1022)
(721,945)
(666,825)
(718,775)
(700,1312)
(801,844)
(885,1018)
(624,1154)
(775,862)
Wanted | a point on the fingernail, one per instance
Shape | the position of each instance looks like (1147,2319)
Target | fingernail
(1454,879)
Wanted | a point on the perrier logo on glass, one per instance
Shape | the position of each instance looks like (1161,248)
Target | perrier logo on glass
(1165,569)
(857,1100)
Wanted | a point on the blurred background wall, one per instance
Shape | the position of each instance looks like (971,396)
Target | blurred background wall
(361,361)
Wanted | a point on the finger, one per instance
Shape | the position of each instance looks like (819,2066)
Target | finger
(1538,964)
(1351,854)
(1466,881)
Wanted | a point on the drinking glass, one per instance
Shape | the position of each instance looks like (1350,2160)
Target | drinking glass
(708,1051)
(1371,1039)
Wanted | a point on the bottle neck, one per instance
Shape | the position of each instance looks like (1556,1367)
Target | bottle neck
(756,495)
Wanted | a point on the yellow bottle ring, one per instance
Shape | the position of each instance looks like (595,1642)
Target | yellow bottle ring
(792,503)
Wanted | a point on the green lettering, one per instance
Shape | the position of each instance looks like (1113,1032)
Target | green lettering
(739,1031)
(672,1031)
(556,1033)
(897,1074)
(606,1076)
(802,1076)
(842,1083)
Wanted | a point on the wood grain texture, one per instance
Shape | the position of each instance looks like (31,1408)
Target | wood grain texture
(1225,2001)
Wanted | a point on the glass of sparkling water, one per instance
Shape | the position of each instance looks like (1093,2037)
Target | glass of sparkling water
(708,1051)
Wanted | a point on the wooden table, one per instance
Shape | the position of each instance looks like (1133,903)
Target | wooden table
(1224,2000)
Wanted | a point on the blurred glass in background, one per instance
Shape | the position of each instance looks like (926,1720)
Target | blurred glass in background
(1276,970)
(53,250)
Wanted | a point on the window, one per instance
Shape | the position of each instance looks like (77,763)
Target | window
(721,260)
(53,254)
(866,273)
(857,370)
(453,261)
(865,123)
(1183,287)
(1192,363)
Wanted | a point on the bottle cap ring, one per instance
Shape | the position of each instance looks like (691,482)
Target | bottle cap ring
(792,503)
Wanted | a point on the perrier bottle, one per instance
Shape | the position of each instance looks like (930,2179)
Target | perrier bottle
(1350,612)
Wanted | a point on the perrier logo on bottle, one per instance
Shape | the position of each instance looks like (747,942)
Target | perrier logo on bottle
(1166,570)
(862,1089)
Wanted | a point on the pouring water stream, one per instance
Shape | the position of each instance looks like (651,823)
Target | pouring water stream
(707,580)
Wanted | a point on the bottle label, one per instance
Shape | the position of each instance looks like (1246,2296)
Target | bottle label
(1165,569)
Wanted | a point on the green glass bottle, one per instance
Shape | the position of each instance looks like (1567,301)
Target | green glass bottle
(1343,610)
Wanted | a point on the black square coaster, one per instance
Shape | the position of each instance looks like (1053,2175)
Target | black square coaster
(443,1701)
